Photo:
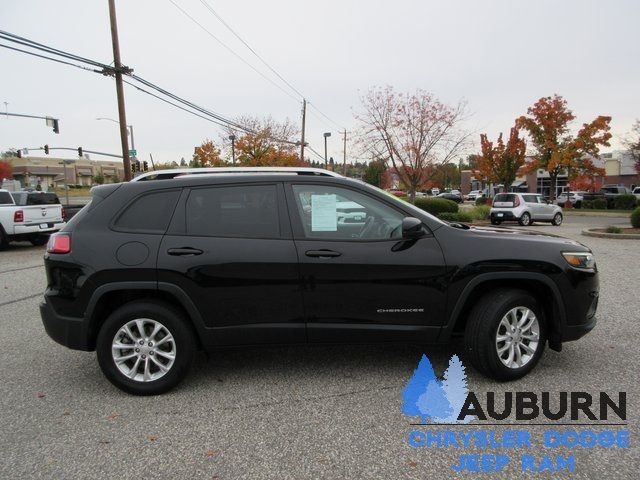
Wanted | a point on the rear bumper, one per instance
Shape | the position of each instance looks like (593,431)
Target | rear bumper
(503,215)
(35,228)
(68,331)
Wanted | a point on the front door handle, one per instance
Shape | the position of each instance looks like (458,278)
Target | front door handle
(322,253)
(184,251)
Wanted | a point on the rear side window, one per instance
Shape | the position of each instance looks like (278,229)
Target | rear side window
(531,198)
(149,213)
(5,198)
(240,211)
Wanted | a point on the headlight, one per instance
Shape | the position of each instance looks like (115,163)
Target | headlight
(583,260)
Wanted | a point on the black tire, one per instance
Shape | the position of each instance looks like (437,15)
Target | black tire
(4,239)
(39,240)
(495,222)
(525,219)
(557,219)
(174,321)
(482,327)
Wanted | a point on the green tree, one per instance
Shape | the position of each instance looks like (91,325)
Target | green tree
(374,171)
(98,178)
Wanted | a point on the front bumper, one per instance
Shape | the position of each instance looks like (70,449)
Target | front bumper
(68,331)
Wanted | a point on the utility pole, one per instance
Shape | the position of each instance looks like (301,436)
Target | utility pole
(344,153)
(233,149)
(120,91)
(326,163)
(304,117)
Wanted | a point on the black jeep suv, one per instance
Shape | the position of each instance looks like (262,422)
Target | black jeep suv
(152,270)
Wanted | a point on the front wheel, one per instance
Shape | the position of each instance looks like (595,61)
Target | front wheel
(505,334)
(557,219)
(525,219)
(145,347)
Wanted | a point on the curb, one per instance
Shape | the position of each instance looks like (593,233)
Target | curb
(621,236)
(578,213)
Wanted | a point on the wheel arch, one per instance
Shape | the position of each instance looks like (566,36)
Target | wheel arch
(541,286)
(112,295)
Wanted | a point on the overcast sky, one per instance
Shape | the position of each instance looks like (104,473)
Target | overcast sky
(499,55)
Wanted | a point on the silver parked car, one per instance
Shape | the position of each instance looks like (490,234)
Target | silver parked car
(525,208)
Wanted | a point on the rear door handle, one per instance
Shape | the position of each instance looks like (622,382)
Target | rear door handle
(184,251)
(322,253)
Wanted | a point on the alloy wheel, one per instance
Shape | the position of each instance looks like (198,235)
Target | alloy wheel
(517,337)
(143,349)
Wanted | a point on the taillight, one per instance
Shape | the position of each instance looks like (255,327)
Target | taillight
(516,202)
(18,216)
(59,243)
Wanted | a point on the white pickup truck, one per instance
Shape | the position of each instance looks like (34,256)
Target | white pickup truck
(29,216)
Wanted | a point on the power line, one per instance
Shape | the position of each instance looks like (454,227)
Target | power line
(259,57)
(108,70)
(210,8)
(50,58)
(233,52)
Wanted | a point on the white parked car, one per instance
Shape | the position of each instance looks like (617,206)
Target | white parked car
(435,191)
(636,192)
(473,194)
(29,216)
(575,198)
(525,208)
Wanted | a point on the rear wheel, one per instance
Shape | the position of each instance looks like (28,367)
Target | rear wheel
(145,347)
(525,219)
(557,219)
(505,334)
(39,240)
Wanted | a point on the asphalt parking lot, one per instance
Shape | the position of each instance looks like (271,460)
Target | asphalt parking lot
(298,412)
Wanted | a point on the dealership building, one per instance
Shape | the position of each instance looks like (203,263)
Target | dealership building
(50,171)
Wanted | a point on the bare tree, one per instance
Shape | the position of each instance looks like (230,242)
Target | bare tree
(415,132)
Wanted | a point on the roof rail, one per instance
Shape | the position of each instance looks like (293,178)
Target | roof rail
(179,172)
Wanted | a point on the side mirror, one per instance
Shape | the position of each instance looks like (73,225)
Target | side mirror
(412,228)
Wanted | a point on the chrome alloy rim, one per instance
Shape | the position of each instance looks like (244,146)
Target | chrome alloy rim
(143,350)
(517,337)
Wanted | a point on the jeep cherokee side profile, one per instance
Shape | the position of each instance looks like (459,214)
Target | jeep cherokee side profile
(151,271)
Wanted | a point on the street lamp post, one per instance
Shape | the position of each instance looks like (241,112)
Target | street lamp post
(326,135)
(66,188)
(233,148)
(129,127)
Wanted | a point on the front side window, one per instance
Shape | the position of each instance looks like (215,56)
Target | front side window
(249,211)
(342,214)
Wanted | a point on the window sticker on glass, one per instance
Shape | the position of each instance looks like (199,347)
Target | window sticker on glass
(323,213)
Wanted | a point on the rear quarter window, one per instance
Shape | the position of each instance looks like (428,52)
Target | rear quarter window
(148,213)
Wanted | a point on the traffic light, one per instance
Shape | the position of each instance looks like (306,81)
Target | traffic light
(19,153)
(56,127)
(46,149)
(80,151)
(145,166)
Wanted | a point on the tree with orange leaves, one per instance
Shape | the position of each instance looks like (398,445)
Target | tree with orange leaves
(207,155)
(266,142)
(6,171)
(500,163)
(558,151)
